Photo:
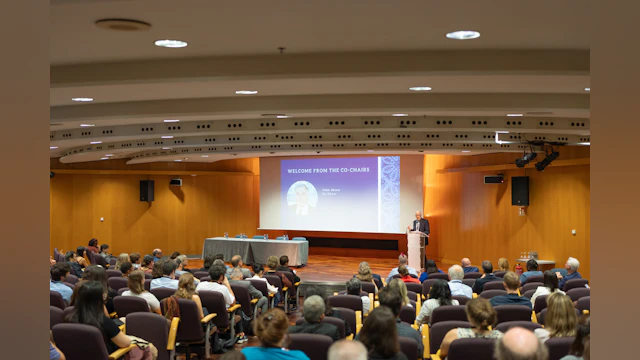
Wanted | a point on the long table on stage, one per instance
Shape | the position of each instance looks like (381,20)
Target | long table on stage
(258,250)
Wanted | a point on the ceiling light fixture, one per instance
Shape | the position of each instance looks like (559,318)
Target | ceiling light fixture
(95,142)
(400,114)
(370,150)
(463,35)
(177,160)
(466,151)
(527,158)
(86,125)
(587,89)
(172,121)
(540,166)
(246,92)
(166,148)
(512,115)
(82,99)
(52,147)
(167,137)
(204,156)
(171,43)
(283,116)
(108,155)
(420,88)
(104,158)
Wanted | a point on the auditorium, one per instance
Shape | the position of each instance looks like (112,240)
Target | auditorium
(321,180)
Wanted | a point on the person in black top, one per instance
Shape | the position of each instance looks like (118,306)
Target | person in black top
(380,335)
(208,261)
(284,266)
(99,274)
(511,282)
(71,258)
(313,314)
(487,269)
(328,311)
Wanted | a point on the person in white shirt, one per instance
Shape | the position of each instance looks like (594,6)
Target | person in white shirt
(136,288)
(550,286)
(168,279)
(439,295)
(354,287)
(219,283)
(456,274)
(258,270)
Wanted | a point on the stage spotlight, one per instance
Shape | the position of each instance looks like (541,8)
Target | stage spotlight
(526,159)
(540,166)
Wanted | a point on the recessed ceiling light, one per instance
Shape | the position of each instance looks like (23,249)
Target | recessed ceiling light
(86,125)
(246,92)
(204,156)
(514,115)
(172,120)
(370,150)
(400,114)
(283,116)
(587,89)
(107,155)
(104,158)
(82,99)
(95,142)
(52,147)
(178,160)
(167,137)
(463,35)
(171,43)
(420,88)
(166,148)
(466,151)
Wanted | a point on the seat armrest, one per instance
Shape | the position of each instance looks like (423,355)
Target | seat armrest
(253,301)
(123,328)
(173,332)
(121,352)
(358,321)
(426,345)
(475,295)
(534,317)
(350,337)
(113,315)
(284,288)
(207,318)
(233,308)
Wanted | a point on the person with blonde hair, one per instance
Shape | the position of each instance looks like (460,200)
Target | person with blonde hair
(399,286)
(365,275)
(187,290)
(560,320)
(136,288)
(272,264)
(122,258)
(503,264)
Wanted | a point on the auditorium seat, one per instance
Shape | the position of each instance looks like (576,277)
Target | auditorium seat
(426,287)
(488,294)
(493,285)
(529,293)
(114,273)
(339,323)
(125,305)
(122,290)
(462,300)
(575,283)
(469,282)
(513,313)
(112,261)
(193,332)
(530,286)
(315,346)
(409,347)
(55,299)
(147,284)
(499,274)
(117,283)
(56,316)
(71,279)
(584,303)
(413,296)
(369,287)
(408,314)
(541,303)
(277,282)
(241,292)
(438,331)
(415,287)
(148,276)
(215,304)
(576,293)
(503,327)
(442,276)
(155,329)
(262,287)
(559,347)
(81,342)
(162,293)
(448,313)
(353,318)
(534,278)
(472,275)
(200,274)
(477,349)
(346,301)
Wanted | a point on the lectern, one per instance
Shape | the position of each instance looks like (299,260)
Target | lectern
(415,247)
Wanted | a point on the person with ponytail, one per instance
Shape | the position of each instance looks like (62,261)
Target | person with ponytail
(481,315)
(271,329)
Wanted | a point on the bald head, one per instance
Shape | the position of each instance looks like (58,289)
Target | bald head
(520,344)
(347,350)
(465,262)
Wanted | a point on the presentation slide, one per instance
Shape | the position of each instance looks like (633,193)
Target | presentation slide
(345,194)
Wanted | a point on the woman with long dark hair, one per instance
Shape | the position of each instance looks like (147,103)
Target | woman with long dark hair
(93,246)
(379,335)
(439,295)
(147,264)
(208,261)
(550,286)
(99,274)
(430,268)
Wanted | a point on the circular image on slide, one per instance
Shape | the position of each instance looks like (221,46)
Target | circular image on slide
(302,198)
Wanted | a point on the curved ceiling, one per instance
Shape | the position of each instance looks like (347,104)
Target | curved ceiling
(346,70)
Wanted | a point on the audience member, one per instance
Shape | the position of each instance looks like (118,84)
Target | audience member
(51,261)
(466,266)
(237,263)
(272,264)
(439,295)
(99,274)
(520,344)
(221,258)
(93,246)
(185,262)
(174,255)
(481,315)
(237,278)
(284,267)
(579,349)
(402,260)
(88,310)
(157,255)
(430,268)
(187,290)
(572,266)
(104,252)
(550,286)
(168,279)
(400,287)
(56,354)
(258,271)
(147,264)
(404,275)
(510,282)
(379,335)
(122,258)
(134,257)
(365,275)
(313,313)
(219,283)
(347,350)
(457,287)
(271,329)
(180,263)
(503,264)
(560,320)
(82,255)
(156,273)
(329,311)
(487,269)
(72,259)
(126,268)
(354,287)
(136,288)
(532,270)
(59,274)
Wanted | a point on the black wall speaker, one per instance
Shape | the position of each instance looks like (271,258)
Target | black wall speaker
(146,190)
(520,191)
(494,179)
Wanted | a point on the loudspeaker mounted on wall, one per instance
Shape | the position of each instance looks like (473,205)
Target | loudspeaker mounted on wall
(494,179)
(146,190)
(520,191)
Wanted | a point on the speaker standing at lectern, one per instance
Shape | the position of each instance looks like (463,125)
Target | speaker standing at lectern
(420,224)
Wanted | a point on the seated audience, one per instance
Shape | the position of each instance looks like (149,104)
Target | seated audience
(430,268)
(168,279)
(51,261)
(329,311)
(560,320)
(59,274)
(272,264)
(187,290)
(258,270)
(104,252)
(402,260)
(510,282)
(503,264)
(405,277)
(532,270)
(439,295)
(487,269)
(284,267)
(126,268)
(174,255)
(263,301)
(457,287)
(219,283)
(82,255)
(93,246)
(147,264)
(481,315)
(99,274)
(313,314)
(572,266)
(271,329)
(56,354)
(580,349)
(157,255)
(88,310)
(520,344)
(354,287)
(365,275)
(221,258)
(237,263)
(208,261)
(399,286)
(347,350)
(550,286)
(466,266)
(185,262)
(72,259)
(136,288)
(134,257)
(156,273)
(122,258)
(379,335)
(180,265)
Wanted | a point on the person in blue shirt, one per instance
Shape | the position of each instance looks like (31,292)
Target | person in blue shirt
(55,353)
(455,283)
(532,270)
(402,260)
(157,255)
(430,268)
(572,266)
(511,283)
(271,329)
(466,266)
(59,273)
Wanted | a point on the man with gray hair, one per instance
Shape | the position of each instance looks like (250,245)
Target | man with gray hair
(354,287)
(572,266)
(402,260)
(456,274)
(313,314)
(263,301)
(347,350)
(236,263)
(520,344)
